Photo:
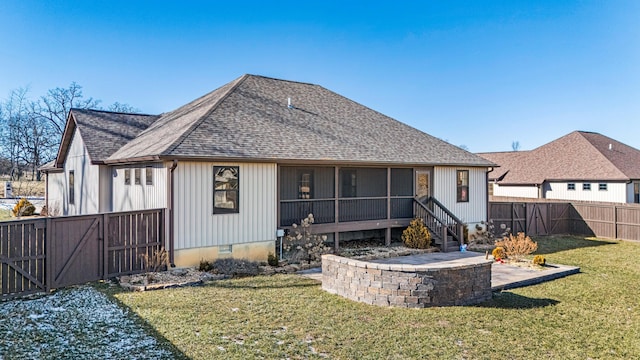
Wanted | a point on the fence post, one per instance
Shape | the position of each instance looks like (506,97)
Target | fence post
(615,221)
(48,257)
(105,245)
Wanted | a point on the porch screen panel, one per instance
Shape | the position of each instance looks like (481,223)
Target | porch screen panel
(402,182)
(304,191)
(306,183)
(363,182)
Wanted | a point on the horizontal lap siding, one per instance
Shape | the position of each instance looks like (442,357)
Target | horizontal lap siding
(445,190)
(515,191)
(197,226)
(616,192)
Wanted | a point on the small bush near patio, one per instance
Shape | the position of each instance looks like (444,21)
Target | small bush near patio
(498,253)
(515,247)
(302,245)
(416,235)
(539,260)
(594,314)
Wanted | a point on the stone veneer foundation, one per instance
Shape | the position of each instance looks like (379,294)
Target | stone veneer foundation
(442,283)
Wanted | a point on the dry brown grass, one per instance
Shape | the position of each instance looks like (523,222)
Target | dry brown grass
(23,188)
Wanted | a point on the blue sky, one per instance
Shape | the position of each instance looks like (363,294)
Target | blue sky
(476,73)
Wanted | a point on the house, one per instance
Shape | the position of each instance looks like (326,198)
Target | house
(584,166)
(257,155)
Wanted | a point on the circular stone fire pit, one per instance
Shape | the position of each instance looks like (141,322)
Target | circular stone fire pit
(417,281)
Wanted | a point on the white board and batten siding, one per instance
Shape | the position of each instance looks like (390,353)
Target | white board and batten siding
(196,225)
(445,190)
(519,191)
(140,196)
(56,192)
(616,192)
(86,180)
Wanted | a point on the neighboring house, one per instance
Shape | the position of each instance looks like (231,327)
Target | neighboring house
(257,155)
(584,166)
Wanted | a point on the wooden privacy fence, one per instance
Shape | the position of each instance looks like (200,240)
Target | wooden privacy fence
(614,221)
(46,253)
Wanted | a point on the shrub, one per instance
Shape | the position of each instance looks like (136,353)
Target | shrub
(539,260)
(517,246)
(23,208)
(302,244)
(158,261)
(235,267)
(486,232)
(416,235)
(205,266)
(498,253)
(272,260)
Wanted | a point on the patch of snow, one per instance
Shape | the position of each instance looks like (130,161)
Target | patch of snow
(73,323)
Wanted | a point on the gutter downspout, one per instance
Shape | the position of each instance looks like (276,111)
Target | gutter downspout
(171,216)
(486,174)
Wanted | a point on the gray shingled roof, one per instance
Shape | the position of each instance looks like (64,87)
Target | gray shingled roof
(249,119)
(103,132)
(579,155)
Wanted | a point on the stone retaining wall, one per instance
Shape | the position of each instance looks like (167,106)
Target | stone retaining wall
(402,285)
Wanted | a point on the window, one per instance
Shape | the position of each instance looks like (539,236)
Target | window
(586,187)
(148,175)
(305,184)
(463,186)
(137,176)
(571,186)
(636,192)
(349,183)
(602,187)
(72,190)
(226,189)
(127,176)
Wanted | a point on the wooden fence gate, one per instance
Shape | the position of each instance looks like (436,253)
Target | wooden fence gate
(46,253)
(615,221)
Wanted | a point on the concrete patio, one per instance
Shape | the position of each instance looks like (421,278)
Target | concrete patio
(503,276)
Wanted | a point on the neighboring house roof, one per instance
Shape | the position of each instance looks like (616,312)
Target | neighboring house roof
(103,132)
(580,155)
(249,118)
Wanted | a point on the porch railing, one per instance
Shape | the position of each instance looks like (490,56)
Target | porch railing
(441,222)
(349,209)
(292,211)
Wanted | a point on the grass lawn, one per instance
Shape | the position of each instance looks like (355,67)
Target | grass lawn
(594,314)
(5,215)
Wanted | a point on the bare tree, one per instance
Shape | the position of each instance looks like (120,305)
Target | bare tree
(122,108)
(515,145)
(56,104)
(31,130)
(15,113)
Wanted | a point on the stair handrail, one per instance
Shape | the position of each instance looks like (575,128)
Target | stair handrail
(430,212)
(452,225)
(444,209)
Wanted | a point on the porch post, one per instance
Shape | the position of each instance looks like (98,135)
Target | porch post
(387,238)
(336,207)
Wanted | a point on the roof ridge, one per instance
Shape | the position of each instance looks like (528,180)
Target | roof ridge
(197,123)
(112,112)
(285,80)
(601,153)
